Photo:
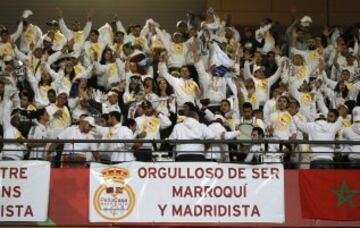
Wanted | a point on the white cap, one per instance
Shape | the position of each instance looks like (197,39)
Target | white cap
(63,91)
(111,92)
(356,113)
(305,21)
(90,120)
(27,13)
(256,68)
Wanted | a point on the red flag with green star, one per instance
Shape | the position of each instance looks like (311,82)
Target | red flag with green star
(330,194)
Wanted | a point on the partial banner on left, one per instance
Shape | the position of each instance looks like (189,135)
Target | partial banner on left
(24,191)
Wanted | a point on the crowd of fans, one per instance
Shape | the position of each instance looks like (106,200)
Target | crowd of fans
(205,81)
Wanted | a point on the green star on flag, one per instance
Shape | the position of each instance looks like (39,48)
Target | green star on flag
(330,194)
(345,195)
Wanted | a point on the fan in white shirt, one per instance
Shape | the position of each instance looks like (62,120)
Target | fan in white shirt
(11,123)
(110,105)
(214,87)
(119,152)
(190,128)
(30,36)
(7,41)
(86,151)
(281,123)
(176,48)
(262,83)
(59,114)
(93,47)
(65,76)
(110,70)
(39,131)
(54,36)
(263,33)
(312,55)
(321,129)
(107,31)
(220,152)
(185,88)
(75,34)
(352,133)
(150,123)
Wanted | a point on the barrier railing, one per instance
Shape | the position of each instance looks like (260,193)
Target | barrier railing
(289,148)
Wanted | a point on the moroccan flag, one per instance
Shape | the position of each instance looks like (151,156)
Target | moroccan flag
(330,194)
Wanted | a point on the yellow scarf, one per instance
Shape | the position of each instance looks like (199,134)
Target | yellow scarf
(189,87)
(29,36)
(177,49)
(78,36)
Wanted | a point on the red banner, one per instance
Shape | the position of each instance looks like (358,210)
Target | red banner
(69,206)
(330,194)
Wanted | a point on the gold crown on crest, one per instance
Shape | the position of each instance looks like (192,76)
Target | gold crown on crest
(115,173)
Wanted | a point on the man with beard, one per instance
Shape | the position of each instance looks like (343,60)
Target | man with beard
(311,55)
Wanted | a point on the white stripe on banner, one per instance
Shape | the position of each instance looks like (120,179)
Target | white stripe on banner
(24,191)
(186,192)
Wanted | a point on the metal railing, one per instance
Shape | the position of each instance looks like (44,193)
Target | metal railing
(284,147)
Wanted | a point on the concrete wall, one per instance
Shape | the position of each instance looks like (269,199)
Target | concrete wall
(167,12)
(250,12)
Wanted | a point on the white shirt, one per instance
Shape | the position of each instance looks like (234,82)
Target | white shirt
(90,48)
(31,35)
(352,134)
(177,51)
(110,73)
(57,125)
(79,36)
(214,87)
(185,89)
(262,85)
(151,125)
(121,150)
(10,132)
(320,130)
(190,128)
(216,150)
(39,131)
(85,149)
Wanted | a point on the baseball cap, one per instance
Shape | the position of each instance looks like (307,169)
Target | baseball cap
(90,120)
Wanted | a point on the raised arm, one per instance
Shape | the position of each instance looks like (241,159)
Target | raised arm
(33,82)
(302,126)
(273,78)
(164,37)
(320,100)
(18,32)
(53,58)
(64,29)
(163,71)
(120,27)
(247,71)
(165,122)
(331,83)
(87,29)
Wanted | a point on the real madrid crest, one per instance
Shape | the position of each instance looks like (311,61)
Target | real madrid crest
(114,199)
